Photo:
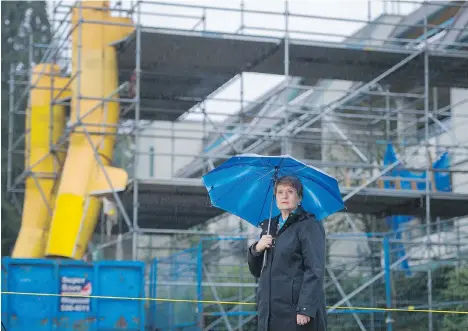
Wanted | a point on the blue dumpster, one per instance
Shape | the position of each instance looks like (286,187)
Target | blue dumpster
(54,310)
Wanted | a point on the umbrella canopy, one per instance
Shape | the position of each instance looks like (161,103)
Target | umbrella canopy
(243,186)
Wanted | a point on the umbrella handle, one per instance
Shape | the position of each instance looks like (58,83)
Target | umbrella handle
(269,222)
(265,256)
(265,251)
(264,260)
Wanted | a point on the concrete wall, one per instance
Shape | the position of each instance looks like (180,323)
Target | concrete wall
(457,134)
(460,134)
(184,140)
(337,129)
(228,224)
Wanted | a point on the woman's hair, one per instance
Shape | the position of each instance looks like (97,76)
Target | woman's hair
(291,181)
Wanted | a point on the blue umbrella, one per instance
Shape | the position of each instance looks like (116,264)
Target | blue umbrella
(243,186)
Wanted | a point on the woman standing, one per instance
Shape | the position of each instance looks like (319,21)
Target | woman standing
(290,292)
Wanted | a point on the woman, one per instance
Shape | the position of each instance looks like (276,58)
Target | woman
(290,291)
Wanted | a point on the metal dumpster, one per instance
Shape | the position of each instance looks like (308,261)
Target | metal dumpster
(54,310)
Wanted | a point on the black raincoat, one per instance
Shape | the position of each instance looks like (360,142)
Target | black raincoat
(291,282)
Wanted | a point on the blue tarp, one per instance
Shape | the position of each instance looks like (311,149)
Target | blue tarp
(442,182)
(441,179)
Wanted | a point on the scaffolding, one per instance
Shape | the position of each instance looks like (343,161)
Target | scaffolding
(340,102)
(376,270)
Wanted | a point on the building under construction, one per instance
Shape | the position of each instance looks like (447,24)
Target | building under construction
(118,134)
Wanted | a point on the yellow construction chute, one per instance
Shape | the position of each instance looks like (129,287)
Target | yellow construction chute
(64,226)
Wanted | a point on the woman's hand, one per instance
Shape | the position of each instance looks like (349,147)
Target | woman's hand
(264,243)
(302,319)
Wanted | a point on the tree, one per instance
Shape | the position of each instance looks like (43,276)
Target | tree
(22,22)
(457,291)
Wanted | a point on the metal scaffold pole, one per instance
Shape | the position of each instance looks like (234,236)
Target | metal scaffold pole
(309,114)
(78,61)
(428,169)
(137,132)
(286,142)
(11,124)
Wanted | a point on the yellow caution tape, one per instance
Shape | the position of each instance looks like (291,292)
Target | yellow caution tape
(409,309)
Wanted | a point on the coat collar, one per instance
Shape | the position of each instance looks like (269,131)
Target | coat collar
(299,214)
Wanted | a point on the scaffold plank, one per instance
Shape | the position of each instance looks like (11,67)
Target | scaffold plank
(180,68)
(184,203)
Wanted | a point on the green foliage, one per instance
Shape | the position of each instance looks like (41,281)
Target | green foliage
(10,227)
(412,291)
(406,292)
(457,291)
(22,22)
